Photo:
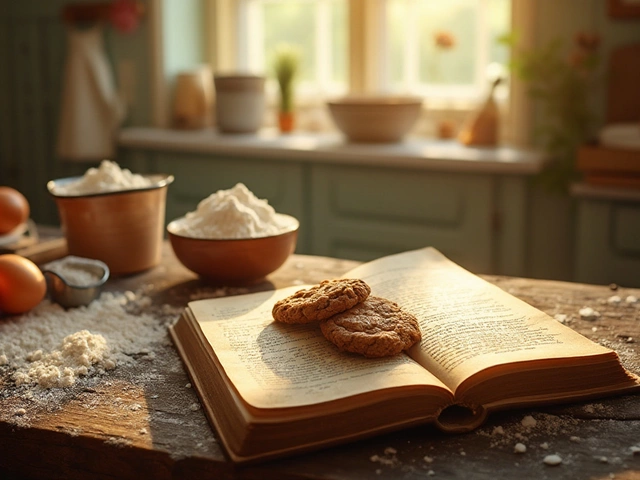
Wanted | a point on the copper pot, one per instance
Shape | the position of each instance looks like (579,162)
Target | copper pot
(124,229)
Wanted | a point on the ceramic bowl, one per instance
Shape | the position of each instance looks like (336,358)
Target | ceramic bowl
(243,261)
(375,119)
(124,228)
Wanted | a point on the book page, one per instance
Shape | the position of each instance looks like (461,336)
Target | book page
(467,323)
(278,365)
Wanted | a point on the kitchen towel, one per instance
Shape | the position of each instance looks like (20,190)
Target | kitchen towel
(91,108)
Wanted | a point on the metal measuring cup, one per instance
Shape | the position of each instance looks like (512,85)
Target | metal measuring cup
(61,287)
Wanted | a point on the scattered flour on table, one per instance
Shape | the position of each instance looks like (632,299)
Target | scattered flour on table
(51,347)
(233,213)
(108,177)
(529,428)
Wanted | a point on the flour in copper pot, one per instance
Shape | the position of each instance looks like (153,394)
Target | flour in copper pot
(108,177)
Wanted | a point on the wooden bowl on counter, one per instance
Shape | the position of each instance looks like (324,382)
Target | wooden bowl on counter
(375,119)
(235,261)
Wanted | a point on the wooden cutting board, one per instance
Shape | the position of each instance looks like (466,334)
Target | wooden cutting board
(39,251)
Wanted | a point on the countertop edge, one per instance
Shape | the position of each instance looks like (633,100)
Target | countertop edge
(413,152)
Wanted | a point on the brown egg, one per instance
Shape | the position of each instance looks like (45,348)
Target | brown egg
(14,209)
(22,284)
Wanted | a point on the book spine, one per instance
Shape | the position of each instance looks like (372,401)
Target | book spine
(458,418)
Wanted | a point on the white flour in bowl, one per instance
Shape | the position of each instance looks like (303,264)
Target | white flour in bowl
(109,177)
(233,213)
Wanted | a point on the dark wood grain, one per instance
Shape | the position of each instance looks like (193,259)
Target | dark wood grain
(144,421)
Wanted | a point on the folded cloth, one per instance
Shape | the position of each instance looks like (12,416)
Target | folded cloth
(621,135)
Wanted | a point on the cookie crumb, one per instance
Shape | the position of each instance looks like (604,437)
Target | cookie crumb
(528,421)
(20,412)
(520,448)
(588,313)
(552,460)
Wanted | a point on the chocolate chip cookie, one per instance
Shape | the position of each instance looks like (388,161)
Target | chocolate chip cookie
(321,301)
(376,327)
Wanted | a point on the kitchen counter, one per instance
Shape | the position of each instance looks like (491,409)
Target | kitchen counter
(413,152)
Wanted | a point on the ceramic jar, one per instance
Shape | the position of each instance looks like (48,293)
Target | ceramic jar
(240,103)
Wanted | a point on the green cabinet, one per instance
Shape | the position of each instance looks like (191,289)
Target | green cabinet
(364,214)
(607,235)
(367,214)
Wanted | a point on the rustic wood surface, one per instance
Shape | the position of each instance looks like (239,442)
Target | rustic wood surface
(144,421)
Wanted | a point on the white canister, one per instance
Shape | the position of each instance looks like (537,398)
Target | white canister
(240,102)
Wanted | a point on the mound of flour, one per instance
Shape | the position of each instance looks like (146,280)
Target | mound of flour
(233,213)
(108,177)
(52,347)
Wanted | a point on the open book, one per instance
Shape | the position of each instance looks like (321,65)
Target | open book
(272,389)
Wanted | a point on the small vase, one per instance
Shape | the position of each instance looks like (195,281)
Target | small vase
(286,121)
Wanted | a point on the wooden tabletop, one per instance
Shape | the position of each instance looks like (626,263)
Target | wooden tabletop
(144,420)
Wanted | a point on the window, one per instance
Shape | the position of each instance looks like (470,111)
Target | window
(440,50)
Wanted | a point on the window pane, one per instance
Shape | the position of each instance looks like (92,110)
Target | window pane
(291,22)
(339,43)
(445,46)
(318,28)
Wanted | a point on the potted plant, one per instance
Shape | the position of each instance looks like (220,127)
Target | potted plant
(286,65)
(563,83)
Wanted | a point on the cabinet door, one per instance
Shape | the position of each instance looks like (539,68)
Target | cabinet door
(608,242)
(198,176)
(363,214)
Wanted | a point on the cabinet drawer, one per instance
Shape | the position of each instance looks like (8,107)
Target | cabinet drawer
(363,214)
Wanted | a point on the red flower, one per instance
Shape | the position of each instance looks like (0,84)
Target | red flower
(124,15)
(444,40)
